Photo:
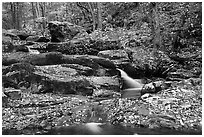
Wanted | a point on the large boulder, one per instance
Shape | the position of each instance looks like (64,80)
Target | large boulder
(58,73)
(63,31)
(58,79)
(64,78)
(34,59)
(53,58)
(140,62)
(117,56)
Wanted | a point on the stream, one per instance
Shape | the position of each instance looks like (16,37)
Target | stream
(97,129)
(104,130)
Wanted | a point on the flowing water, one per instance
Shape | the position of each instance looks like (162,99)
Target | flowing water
(105,129)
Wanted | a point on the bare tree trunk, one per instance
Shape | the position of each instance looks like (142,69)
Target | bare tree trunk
(154,24)
(19,15)
(13,14)
(42,7)
(16,14)
(34,14)
(37,9)
(157,37)
(99,16)
(93,16)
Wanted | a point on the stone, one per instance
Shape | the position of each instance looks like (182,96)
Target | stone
(14,94)
(63,31)
(113,54)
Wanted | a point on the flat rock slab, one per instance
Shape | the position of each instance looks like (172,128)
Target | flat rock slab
(54,58)
(66,80)
(105,81)
(114,54)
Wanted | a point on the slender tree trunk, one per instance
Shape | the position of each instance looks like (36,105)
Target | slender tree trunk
(157,37)
(93,16)
(154,24)
(34,14)
(16,14)
(37,13)
(19,15)
(37,9)
(42,6)
(99,16)
(13,14)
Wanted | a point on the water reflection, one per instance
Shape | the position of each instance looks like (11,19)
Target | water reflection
(107,129)
(99,129)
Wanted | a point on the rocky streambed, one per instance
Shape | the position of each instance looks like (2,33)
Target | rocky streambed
(58,85)
(54,93)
